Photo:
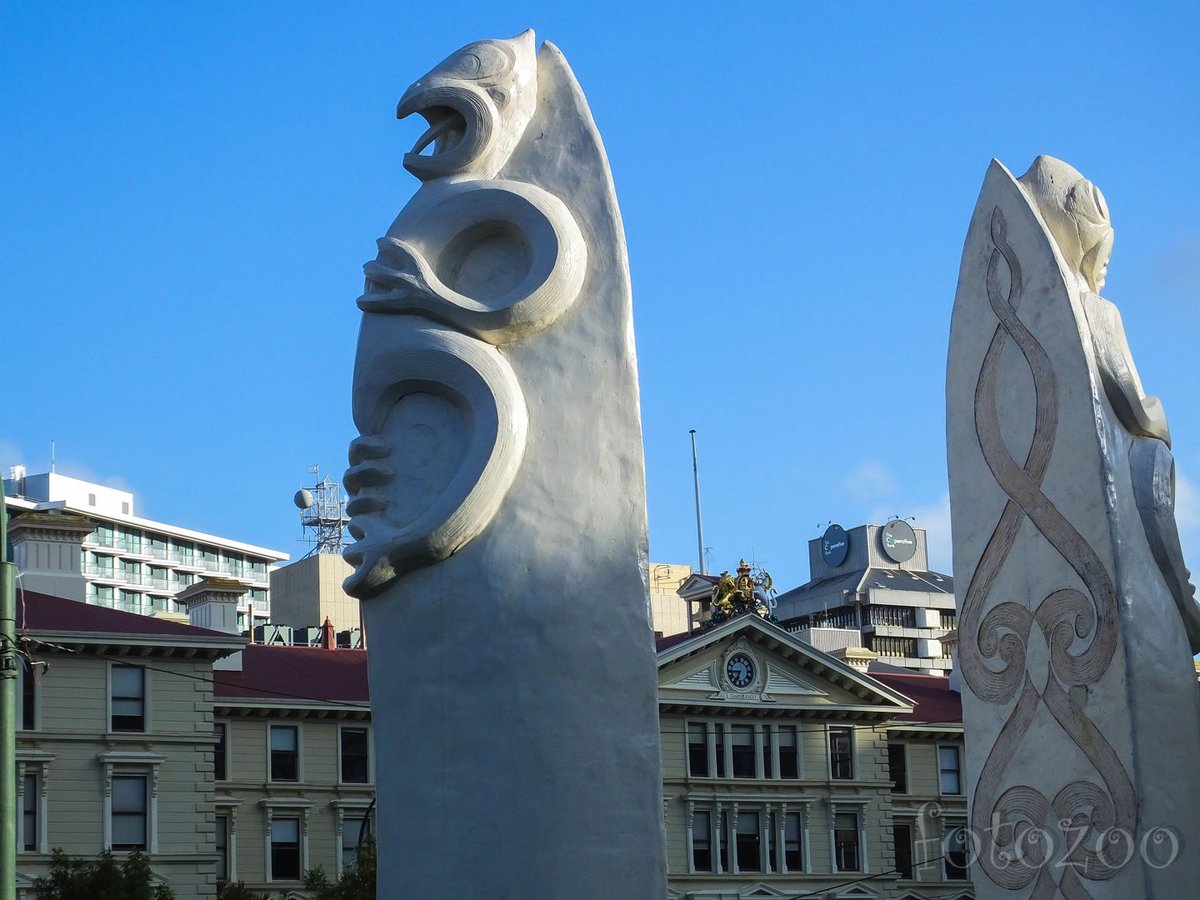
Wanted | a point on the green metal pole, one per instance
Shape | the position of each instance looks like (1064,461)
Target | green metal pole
(8,715)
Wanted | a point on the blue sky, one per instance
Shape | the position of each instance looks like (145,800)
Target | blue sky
(190,192)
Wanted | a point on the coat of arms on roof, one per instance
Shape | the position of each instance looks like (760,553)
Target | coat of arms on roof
(752,591)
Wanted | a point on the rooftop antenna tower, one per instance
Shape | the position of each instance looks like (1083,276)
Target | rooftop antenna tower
(322,514)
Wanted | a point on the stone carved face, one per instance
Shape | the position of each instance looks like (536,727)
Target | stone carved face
(477,103)
(1076,214)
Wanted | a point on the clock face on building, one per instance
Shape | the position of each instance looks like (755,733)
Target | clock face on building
(740,671)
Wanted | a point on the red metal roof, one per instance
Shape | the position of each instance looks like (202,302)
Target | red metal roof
(43,612)
(670,640)
(935,702)
(296,673)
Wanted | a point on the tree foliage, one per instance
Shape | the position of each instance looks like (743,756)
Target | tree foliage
(357,881)
(237,890)
(99,879)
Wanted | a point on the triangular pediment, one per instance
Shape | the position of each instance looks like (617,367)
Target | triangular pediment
(696,587)
(760,890)
(746,662)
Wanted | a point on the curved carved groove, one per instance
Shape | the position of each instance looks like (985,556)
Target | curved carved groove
(444,427)
(497,259)
(1013,823)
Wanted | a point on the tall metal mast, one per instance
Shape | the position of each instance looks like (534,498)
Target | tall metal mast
(699,521)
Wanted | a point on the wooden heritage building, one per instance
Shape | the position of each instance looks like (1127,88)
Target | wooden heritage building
(787,772)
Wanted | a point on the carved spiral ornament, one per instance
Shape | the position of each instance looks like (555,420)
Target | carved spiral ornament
(1078,626)
(475,261)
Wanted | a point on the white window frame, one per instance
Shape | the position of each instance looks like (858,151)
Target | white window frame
(772,830)
(147,725)
(914,842)
(130,762)
(228,807)
(859,808)
(285,808)
(33,762)
(228,725)
(358,807)
(764,736)
(829,730)
(776,757)
(342,726)
(779,823)
(714,827)
(958,755)
(948,823)
(907,771)
(299,751)
(764,817)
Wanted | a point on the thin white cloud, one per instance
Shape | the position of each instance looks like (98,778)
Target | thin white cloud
(870,481)
(935,519)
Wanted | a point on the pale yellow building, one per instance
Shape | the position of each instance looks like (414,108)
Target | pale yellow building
(779,765)
(294,763)
(115,740)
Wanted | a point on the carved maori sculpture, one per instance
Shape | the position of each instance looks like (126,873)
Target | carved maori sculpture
(497,479)
(1076,617)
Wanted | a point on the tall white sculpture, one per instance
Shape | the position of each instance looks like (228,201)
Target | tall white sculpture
(498,504)
(1077,620)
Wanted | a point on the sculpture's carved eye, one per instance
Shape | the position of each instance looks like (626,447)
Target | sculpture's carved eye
(484,61)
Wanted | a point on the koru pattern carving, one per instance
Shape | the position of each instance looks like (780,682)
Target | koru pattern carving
(1098,816)
(473,262)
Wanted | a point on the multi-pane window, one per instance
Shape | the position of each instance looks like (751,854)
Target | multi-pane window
(210,558)
(352,830)
(129,812)
(949,770)
(29,814)
(222,848)
(129,539)
(697,750)
(702,856)
(748,844)
(128,698)
(285,753)
(902,837)
(232,564)
(954,848)
(285,849)
(131,601)
(841,753)
(845,842)
(105,594)
(355,754)
(898,768)
(789,752)
(759,750)
(220,752)
(742,750)
(793,848)
(184,552)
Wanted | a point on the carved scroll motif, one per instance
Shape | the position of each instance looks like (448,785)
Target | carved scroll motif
(473,262)
(1101,815)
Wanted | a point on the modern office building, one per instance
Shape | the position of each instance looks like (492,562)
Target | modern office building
(876,580)
(84,541)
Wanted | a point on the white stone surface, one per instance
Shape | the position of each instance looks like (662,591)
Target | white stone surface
(1080,701)
(499,504)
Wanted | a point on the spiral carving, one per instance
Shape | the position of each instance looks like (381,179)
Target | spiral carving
(1079,627)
